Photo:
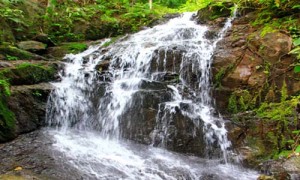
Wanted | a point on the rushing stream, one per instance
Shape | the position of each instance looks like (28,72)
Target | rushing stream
(135,109)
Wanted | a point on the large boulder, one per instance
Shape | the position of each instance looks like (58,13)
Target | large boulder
(214,11)
(271,46)
(32,46)
(30,73)
(151,119)
(28,103)
(24,110)
(282,169)
(14,53)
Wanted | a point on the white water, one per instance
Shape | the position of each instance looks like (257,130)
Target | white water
(88,124)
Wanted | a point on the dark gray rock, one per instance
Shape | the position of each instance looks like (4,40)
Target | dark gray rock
(30,156)
(28,102)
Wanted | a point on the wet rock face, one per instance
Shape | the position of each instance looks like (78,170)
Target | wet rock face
(176,131)
(31,156)
(139,120)
(167,59)
(148,121)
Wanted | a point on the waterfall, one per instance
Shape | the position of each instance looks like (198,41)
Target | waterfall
(153,88)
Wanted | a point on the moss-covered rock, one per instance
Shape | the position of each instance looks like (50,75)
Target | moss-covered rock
(7,118)
(6,34)
(7,122)
(58,52)
(14,53)
(214,11)
(29,73)
(28,102)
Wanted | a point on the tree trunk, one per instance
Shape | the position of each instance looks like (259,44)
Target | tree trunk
(150,4)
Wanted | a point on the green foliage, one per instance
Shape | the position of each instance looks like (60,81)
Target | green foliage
(7,118)
(267,29)
(240,100)
(14,53)
(11,58)
(36,93)
(296,52)
(115,17)
(276,111)
(284,92)
(219,76)
(232,104)
(297,68)
(296,42)
(7,121)
(8,13)
(281,115)
(4,88)
(172,3)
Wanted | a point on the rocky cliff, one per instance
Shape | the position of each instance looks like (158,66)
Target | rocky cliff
(256,86)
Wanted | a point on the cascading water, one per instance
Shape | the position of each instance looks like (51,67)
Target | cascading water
(151,87)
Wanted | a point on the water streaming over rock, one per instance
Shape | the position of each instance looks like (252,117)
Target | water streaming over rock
(153,88)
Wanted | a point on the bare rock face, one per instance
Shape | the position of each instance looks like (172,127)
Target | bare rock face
(270,46)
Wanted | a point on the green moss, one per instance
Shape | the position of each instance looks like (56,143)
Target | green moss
(75,47)
(219,76)
(4,87)
(27,73)
(7,118)
(232,104)
(11,51)
(240,100)
(278,111)
(284,92)
(267,29)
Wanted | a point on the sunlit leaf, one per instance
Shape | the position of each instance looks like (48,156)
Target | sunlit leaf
(297,149)
(297,69)
(296,42)
(296,132)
